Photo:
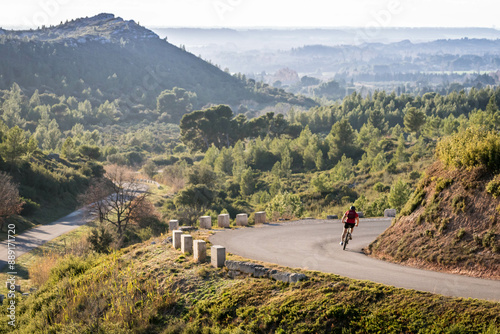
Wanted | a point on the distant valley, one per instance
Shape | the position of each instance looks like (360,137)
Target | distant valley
(391,59)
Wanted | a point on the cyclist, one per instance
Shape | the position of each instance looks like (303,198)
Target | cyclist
(350,219)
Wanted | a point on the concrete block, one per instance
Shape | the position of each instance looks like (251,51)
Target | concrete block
(176,239)
(390,213)
(223,220)
(200,250)
(242,219)
(332,217)
(260,217)
(280,276)
(294,278)
(360,214)
(206,222)
(218,256)
(186,243)
(173,225)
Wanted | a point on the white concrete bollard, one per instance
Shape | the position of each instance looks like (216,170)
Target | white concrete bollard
(173,225)
(390,213)
(199,251)
(206,222)
(186,243)
(218,256)
(176,238)
(223,220)
(260,217)
(242,219)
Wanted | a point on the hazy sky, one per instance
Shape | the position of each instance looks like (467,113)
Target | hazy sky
(259,13)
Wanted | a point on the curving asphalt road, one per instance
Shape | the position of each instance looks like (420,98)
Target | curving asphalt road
(314,245)
(37,236)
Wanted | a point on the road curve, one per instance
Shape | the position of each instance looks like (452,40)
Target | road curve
(37,236)
(314,245)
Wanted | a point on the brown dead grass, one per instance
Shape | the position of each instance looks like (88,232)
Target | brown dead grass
(449,231)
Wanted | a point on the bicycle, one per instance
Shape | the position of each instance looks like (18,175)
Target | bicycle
(347,237)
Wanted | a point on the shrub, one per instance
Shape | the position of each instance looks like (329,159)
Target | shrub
(458,204)
(489,239)
(414,175)
(442,184)
(471,148)
(413,202)
(29,207)
(100,240)
(379,186)
(285,205)
(70,266)
(460,234)
(321,183)
(493,187)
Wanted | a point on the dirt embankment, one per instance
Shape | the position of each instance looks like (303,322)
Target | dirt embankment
(450,224)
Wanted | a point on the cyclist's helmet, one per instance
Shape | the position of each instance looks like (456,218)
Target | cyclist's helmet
(352,208)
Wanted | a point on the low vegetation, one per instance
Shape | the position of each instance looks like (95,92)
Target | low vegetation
(451,220)
(149,287)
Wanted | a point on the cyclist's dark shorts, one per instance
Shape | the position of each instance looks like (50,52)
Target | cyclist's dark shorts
(351,225)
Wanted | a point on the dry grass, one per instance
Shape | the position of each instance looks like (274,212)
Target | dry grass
(39,272)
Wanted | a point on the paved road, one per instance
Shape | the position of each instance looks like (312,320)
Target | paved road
(37,236)
(314,245)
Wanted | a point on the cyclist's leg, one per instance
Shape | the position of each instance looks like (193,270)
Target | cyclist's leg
(343,235)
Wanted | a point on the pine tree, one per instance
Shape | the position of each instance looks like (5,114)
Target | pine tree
(413,120)
(14,145)
(399,194)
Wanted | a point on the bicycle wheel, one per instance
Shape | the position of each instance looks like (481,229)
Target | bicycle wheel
(346,239)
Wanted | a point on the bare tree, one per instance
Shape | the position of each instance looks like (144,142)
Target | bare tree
(115,198)
(10,202)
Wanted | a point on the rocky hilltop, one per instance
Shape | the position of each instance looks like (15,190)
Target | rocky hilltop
(107,58)
(103,27)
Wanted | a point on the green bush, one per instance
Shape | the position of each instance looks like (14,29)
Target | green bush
(100,240)
(285,205)
(70,266)
(458,204)
(414,175)
(473,147)
(493,187)
(379,186)
(460,234)
(29,207)
(442,184)
(415,200)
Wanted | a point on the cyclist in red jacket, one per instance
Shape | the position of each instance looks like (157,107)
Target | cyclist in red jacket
(350,219)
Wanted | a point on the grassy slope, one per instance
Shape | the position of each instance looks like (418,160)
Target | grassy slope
(53,184)
(454,228)
(150,288)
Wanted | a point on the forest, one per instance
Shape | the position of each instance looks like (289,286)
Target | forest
(368,150)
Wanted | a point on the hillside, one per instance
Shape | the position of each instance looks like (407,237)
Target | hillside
(108,58)
(152,288)
(450,223)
